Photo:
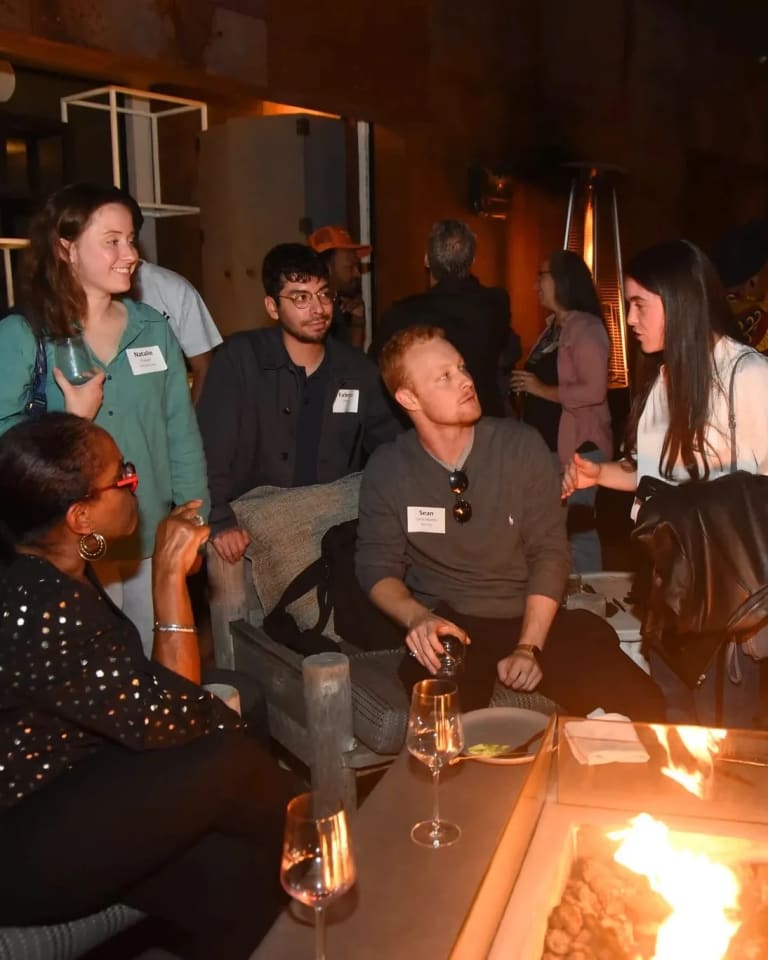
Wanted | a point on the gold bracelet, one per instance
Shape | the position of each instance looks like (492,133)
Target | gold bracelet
(173,628)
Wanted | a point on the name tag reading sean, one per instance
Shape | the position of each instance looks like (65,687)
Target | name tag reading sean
(146,360)
(346,401)
(426,519)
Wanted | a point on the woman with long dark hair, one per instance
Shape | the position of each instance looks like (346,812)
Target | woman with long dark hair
(679,426)
(76,280)
(122,780)
(565,382)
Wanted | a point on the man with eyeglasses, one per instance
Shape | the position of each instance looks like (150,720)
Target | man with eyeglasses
(284,405)
(461,533)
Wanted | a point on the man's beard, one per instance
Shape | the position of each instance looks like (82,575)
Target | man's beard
(305,337)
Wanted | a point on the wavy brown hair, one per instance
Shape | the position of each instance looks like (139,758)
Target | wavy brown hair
(696,315)
(51,297)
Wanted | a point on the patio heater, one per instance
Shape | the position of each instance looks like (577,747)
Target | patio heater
(592,231)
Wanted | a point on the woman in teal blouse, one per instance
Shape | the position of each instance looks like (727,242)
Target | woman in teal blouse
(76,279)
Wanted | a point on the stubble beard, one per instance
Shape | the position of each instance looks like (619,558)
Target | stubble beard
(303,337)
(300,333)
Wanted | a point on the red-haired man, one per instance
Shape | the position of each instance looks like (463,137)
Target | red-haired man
(462,532)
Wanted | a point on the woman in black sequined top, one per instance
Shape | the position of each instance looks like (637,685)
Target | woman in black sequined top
(120,777)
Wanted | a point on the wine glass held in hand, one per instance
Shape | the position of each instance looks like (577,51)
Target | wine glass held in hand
(435,737)
(317,865)
(71,357)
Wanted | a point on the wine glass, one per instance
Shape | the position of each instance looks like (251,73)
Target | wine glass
(71,357)
(435,737)
(317,865)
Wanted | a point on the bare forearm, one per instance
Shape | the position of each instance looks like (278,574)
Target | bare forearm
(539,613)
(520,669)
(395,599)
(551,393)
(179,652)
(199,367)
(618,475)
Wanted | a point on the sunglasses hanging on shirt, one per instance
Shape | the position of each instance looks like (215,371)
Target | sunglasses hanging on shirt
(462,509)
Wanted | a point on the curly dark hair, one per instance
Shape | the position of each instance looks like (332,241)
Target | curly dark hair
(291,263)
(46,465)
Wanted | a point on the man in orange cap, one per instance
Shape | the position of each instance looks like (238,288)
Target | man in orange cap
(341,256)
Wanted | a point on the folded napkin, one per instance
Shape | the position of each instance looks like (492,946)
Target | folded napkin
(605,738)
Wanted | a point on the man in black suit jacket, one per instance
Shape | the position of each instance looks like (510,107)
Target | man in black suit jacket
(475,318)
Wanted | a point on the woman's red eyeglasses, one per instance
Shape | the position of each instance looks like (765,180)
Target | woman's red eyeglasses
(128,478)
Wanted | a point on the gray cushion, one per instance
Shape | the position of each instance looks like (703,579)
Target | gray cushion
(66,941)
(286,526)
(379,701)
(504,697)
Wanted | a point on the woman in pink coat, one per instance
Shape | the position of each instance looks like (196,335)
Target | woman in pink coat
(565,382)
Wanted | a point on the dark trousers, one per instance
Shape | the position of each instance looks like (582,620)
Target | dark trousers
(190,835)
(717,702)
(582,663)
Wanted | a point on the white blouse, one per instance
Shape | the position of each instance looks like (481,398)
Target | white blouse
(750,406)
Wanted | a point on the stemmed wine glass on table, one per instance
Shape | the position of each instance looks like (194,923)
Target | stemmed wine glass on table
(317,865)
(435,737)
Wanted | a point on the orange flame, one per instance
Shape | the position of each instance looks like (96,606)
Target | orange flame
(702,744)
(589,233)
(700,892)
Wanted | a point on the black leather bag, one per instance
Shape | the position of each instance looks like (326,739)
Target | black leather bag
(709,545)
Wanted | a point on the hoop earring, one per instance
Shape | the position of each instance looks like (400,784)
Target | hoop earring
(90,551)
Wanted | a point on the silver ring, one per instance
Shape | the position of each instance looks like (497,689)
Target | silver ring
(197,520)
(412,653)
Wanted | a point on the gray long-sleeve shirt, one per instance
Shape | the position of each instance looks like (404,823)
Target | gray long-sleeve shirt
(514,545)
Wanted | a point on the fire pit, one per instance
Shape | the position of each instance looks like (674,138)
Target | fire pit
(666,825)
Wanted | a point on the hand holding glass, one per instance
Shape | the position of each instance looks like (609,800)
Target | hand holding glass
(317,865)
(435,737)
(452,657)
(72,358)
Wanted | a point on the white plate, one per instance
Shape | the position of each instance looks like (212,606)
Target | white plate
(509,725)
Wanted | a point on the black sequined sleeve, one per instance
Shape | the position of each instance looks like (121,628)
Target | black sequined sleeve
(67,653)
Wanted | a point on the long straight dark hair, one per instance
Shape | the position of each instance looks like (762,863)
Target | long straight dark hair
(695,316)
(574,287)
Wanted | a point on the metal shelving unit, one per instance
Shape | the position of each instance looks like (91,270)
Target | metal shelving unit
(141,105)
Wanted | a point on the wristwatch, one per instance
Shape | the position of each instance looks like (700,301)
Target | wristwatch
(531,648)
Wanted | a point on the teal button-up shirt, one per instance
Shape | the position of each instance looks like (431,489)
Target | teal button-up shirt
(150,416)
